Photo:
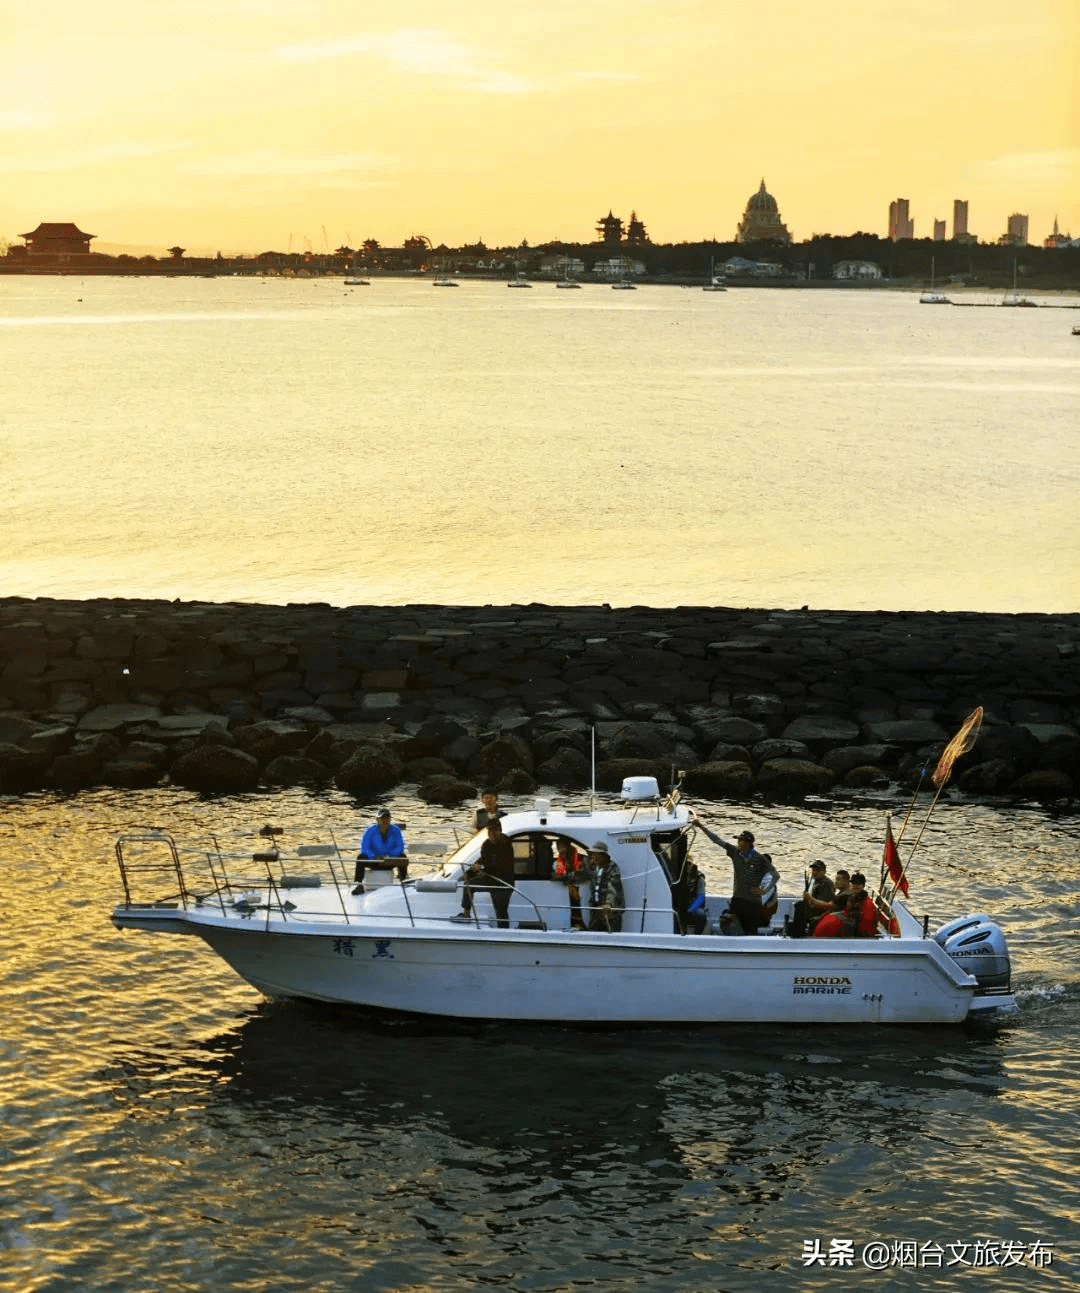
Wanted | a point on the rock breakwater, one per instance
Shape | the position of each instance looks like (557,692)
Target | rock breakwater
(749,702)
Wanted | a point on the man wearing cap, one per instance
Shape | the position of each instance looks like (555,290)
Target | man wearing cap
(753,900)
(493,874)
(817,899)
(606,901)
(865,907)
(383,846)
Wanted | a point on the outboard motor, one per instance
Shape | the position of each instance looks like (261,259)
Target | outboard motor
(979,948)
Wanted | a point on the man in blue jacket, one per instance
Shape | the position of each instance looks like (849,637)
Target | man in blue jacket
(383,846)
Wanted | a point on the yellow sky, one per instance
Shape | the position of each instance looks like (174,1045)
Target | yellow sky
(250,125)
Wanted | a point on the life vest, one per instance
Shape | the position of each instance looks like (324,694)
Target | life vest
(562,871)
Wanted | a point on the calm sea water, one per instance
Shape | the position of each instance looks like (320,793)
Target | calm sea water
(166,1130)
(274,440)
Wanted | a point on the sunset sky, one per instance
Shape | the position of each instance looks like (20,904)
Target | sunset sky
(252,125)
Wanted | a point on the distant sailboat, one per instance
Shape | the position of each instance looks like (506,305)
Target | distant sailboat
(715,282)
(443,279)
(1014,298)
(932,297)
(519,281)
(353,279)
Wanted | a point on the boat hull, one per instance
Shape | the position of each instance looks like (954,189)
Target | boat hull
(582,978)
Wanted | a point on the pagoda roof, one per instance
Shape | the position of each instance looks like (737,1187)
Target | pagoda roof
(64,230)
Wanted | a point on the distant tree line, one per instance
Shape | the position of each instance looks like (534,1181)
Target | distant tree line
(909,260)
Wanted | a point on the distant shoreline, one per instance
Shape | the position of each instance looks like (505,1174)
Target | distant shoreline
(788,283)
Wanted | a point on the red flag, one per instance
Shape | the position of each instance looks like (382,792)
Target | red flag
(892,860)
(960,744)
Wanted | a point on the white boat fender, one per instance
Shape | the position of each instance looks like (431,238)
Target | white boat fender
(768,884)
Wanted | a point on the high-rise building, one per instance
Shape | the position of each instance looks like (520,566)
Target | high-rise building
(1016,232)
(939,230)
(900,223)
(761,220)
(959,219)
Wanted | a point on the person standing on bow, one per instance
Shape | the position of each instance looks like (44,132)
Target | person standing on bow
(753,900)
(383,845)
(606,901)
(492,874)
(490,800)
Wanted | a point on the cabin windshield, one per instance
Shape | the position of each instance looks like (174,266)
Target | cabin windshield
(670,847)
(534,852)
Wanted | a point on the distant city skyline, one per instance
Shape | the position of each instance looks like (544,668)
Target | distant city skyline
(246,125)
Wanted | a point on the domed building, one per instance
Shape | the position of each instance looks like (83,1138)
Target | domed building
(761,220)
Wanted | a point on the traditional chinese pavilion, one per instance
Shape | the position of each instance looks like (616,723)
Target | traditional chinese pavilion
(57,240)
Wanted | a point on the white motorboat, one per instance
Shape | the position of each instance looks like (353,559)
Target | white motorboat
(519,281)
(288,921)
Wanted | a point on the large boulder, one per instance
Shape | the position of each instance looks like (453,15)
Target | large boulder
(866,775)
(373,765)
(216,768)
(734,730)
(271,738)
(499,756)
(821,730)
(720,779)
(296,770)
(516,781)
(778,747)
(1047,785)
(446,789)
(792,779)
(906,732)
(610,773)
(131,771)
(566,767)
(630,740)
(433,737)
(79,767)
(21,769)
(845,757)
(991,777)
